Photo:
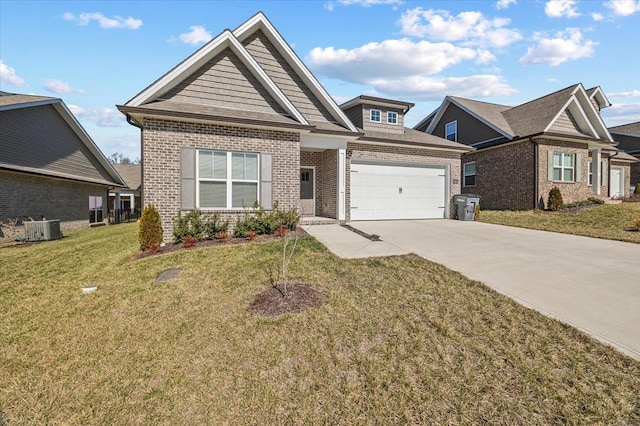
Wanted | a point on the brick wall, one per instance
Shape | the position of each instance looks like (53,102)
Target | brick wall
(330,183)
(571,191)
(504,177)
(408,155)
(161,144)
(25,195)
(635,174)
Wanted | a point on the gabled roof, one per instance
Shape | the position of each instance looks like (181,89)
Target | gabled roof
(132,175)
(415,138)
(233,41)
(632,129)
(533,117)
(599,96)
(42,162)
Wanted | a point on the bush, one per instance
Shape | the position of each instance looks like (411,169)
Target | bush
(188,241)
(150,229)
(213,225)
(189,225)
(262,221)
(555,200)
(595,200)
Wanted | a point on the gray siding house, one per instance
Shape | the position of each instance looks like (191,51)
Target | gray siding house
(523,151)
(244,120)
(49,166)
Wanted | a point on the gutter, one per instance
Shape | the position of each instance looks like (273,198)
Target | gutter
(133,123)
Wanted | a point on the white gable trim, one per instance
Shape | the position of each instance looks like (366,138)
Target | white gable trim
(445,105)
(601,98)
(199,58)
(260,21)
(424,120)
(584,113)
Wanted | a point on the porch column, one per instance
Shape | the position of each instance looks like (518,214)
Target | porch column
(342,172)
(596,157)
(132,203)
(116,202)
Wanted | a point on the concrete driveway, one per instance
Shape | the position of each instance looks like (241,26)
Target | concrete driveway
(589,283)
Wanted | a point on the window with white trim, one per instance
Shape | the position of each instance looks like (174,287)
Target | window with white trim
(375,115)
(227,180)
(590,169)
(563,167)
(451,131)
(469,174)
(392,117)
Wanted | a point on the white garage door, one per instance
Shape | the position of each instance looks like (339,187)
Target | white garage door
(396,192)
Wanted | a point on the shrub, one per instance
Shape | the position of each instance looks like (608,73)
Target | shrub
(150,229)
(595,200)
(555,199)
(213,225)
(188,241)
(281,232)
(224,236)
(189,225)
(251,235)
(288,218)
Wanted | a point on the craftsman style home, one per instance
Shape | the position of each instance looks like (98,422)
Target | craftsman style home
(523,151)
(243,120)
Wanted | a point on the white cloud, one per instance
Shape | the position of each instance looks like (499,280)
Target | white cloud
(102,117)
(597,16)
(104,22)
(436,88)
(388,59)
(504,4)
(368,3)
(621,114)
(8,75)
(561,8)
(197,35)
(470,28)
(57,86)
(630,94)
(623,7)
(566,45)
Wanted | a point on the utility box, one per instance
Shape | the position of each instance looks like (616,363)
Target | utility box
(42,230)
(466,205)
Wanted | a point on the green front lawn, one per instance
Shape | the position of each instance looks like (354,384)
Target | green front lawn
(603,221)
(399,340)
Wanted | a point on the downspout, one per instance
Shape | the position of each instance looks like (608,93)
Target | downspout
(133,123)
(535,173)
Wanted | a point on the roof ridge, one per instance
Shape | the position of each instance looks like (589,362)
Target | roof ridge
(547,95)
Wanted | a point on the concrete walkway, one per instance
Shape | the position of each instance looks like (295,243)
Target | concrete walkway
(592,284)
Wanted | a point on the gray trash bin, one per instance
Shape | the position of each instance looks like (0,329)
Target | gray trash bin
(466,205)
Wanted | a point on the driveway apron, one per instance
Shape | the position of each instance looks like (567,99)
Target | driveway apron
(590,283)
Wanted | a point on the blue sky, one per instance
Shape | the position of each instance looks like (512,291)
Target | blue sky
(95,55)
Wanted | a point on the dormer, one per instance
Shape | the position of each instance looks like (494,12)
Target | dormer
(598,98)
(370,113)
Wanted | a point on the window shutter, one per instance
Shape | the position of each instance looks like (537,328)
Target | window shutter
(187,178)
(266,181)
(549,165)
(578,167)
(605,174)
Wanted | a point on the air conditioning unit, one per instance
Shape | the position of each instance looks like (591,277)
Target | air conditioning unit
(42,230)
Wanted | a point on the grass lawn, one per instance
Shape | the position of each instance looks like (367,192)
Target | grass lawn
(603,221)
(399,340)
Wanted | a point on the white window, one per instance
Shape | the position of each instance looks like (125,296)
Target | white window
(469,174)
(376,116)
(392,117)
(563,167)
(451,131)
(227,179)
(95,209)
(591,173)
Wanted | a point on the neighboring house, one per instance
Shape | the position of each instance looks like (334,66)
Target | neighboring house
(49,166)
(628,138)
(125,202)
(243,120)
(523,151)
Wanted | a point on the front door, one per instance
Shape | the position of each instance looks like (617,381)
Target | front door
(616,185)
(307,193)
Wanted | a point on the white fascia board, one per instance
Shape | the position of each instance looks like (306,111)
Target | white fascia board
(589,110)
(75,125)
(261,21)
(424,120)
(171,78)
(262,76)
(599,95)
(319,142)
(582,114)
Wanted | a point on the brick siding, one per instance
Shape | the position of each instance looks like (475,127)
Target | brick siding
(162,141)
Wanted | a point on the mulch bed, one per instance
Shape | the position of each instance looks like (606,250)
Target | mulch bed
(272,302)
(173,247)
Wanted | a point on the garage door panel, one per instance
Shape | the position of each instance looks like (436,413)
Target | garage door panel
(396,192)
